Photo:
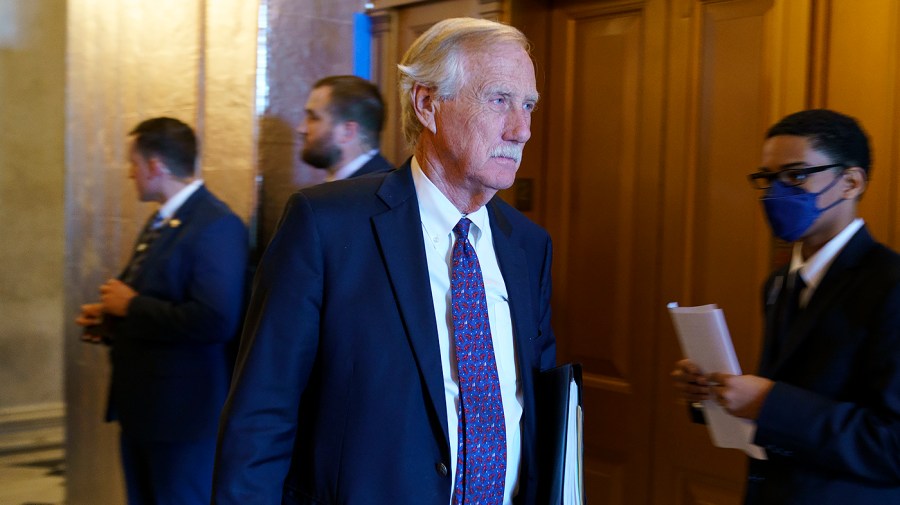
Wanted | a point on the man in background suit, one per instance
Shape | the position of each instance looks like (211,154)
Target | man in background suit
(342,127)
(373,369)
(171,319)
(826,400)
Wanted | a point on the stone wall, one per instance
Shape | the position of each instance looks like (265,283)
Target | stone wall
(239,71)
(32,171)
(127,61)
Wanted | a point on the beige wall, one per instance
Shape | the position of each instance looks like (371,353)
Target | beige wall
(195,60)
(32,70)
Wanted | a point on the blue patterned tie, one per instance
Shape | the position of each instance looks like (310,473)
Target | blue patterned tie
(481,456)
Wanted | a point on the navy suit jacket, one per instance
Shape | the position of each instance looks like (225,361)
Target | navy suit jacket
(338,394)
(831,424)
(173,353)
(376,165)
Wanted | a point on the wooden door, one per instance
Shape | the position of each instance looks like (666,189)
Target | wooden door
(657,114)
(858,72)
(603,194)
(651,115)
(735,67)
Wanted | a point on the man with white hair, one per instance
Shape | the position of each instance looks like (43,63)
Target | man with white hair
(398,321)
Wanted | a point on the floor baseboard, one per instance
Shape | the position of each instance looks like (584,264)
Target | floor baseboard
(32,427)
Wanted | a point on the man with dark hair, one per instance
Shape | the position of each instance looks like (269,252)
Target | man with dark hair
(826,400)
(342,127)
(171,318)
(399,321)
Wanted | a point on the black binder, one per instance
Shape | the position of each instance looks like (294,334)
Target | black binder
(554,400)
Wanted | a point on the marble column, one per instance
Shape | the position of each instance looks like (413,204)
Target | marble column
(127,61)
(32,175)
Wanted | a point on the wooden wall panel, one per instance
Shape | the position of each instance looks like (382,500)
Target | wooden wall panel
(652,115)
(725,212)
(604,481)
(600,143)
(860,79)
(705,492)
(603,142)
(735,67)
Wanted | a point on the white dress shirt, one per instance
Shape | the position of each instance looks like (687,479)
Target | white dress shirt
(439,216)
(172,205)
(348,169)
(814,268)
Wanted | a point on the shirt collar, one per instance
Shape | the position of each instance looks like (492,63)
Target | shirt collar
(438,214)
(814,268)
(354,165)
(172,205)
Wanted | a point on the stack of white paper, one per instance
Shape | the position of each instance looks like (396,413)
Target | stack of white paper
(572,475)
(705,340)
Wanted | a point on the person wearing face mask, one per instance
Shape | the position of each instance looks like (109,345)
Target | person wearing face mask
(826,397)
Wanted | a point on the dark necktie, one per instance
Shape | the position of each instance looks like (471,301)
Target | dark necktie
(481,456)
(148,235)
(790,306)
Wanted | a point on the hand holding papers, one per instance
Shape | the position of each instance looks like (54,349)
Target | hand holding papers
(705,340)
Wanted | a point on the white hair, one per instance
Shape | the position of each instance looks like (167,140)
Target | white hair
(437,60)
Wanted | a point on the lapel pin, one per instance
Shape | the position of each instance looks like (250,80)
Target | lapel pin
(174,223)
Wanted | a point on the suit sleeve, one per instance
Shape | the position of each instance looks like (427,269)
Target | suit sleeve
(211,306)
(547,350)
(857,436)
(258,425)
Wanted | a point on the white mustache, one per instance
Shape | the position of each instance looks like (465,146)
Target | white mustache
(507,151)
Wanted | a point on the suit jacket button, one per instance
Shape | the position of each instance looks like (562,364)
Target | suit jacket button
(441,469)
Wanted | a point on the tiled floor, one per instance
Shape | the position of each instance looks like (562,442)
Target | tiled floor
(33,478)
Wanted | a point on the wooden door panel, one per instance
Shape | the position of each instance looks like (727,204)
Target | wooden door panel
(860,79)
(718,248)
(694,491)
(601,172)
(604,480)
(653,114)
(603,150)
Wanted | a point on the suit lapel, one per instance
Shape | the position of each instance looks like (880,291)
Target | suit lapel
(171,230)
(835,281)
(514,267)
(398,231)
(775,293)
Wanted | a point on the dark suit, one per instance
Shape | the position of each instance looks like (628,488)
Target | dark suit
(376,165)
(173,353)
(831,424)
(338,394)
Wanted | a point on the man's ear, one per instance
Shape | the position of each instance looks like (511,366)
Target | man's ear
(157,166)
(346,132)
(855,183)
(425,104)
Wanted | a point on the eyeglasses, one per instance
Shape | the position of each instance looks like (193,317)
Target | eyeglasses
(787,176)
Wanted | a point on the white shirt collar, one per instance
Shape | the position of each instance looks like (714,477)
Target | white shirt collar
(813,269)
(439,215)
(354,165)
(172,205)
